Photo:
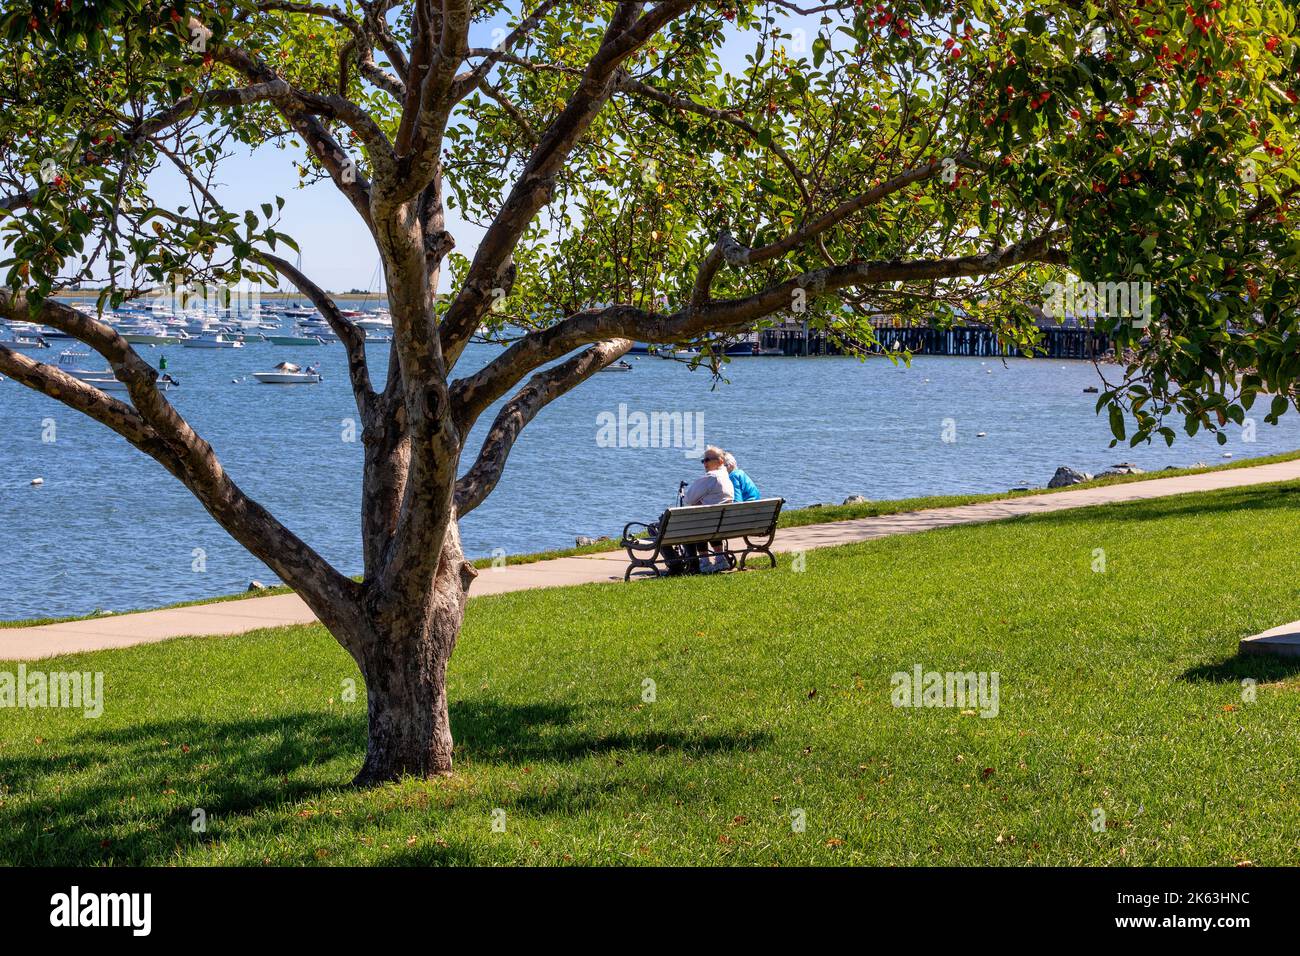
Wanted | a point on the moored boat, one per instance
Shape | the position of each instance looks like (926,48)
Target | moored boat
(212,340)
(21,342)
(73,362)
(286,373)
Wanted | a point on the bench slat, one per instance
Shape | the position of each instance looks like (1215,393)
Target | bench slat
(704,522)
(692,523)
(686,537)
(737,528)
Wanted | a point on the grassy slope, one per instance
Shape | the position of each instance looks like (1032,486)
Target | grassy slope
(794,518)
(1119,691)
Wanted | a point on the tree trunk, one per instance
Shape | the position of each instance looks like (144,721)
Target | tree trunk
(404,662)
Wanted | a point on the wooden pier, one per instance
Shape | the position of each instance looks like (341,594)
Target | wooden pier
(1057,342)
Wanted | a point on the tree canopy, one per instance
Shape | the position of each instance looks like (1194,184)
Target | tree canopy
(1151,140)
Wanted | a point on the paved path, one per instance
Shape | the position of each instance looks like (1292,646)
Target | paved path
(236,617)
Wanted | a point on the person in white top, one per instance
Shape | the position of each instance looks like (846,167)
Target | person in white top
(714,486)
(711,488)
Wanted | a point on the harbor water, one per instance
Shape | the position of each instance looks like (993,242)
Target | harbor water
(109,529)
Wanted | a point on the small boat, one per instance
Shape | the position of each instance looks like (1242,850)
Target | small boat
(293,339)
(23,343)
(212,340)
(619,366)
(372,322)
(286,373)
(164,383)
(72,362)
(150,333)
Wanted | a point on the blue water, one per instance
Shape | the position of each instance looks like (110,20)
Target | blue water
(110,529)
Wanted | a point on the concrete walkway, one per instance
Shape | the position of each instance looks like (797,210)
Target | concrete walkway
(236,617)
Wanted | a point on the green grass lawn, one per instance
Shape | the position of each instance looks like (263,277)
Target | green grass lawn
(1120,692)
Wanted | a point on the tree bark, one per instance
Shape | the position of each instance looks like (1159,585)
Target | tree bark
(404,661)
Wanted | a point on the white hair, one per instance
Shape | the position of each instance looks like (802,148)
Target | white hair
(729,460)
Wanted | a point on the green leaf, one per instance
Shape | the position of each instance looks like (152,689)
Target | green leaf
(1117,422)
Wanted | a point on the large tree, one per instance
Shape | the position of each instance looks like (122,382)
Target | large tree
(652,171)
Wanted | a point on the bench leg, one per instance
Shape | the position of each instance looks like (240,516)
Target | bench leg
(638,562)
(764,547)
(638,565)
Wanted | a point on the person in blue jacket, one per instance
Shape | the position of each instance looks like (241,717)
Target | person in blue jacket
(745,489)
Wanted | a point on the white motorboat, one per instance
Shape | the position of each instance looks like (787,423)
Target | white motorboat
(212,340)
(374,322)
(286,373)
(73,363)
(106,383)
(683,355)
(299,340)
(21,342)
(318,329)
(619,366)
(151,333)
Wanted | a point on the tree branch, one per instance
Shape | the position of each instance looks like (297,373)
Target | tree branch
(466,83)
(474,393)
(90,401)
(727,249)
(541,390)
(317,137)
(512,111)
(17,200)
(187,106)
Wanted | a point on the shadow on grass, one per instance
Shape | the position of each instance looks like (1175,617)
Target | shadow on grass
(125,795)
(489,731)
(1232,670)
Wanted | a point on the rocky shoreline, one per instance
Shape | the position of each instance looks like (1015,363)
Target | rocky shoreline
(1066,476)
